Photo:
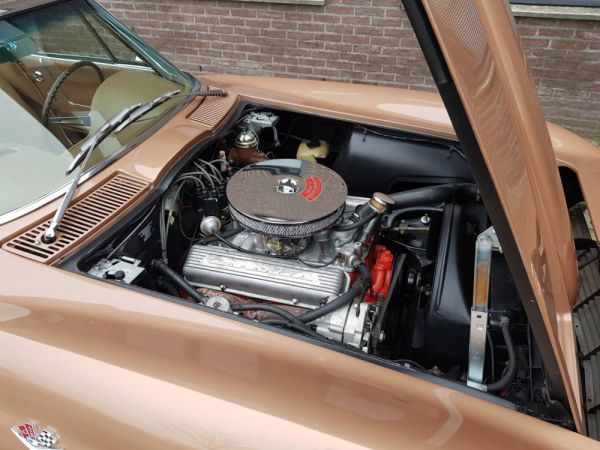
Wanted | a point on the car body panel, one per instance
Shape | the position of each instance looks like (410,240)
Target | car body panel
(109,325)
(481,46)
(114,368)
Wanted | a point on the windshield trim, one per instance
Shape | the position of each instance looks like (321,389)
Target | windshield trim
(21,211)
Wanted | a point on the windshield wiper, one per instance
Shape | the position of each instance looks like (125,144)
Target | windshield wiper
(80,161)
(117,124)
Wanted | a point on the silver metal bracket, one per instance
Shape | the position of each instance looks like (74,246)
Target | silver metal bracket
(477,342)
(486,243)
(491,233)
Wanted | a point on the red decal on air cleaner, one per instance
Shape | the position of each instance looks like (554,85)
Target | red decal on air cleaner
(313,188)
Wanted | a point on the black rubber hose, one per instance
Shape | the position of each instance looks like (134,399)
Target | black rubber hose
(364,274)
(268,308)
(291,321)
(492,355)
(363,281)
(359,223)
(177,280)
(433,194)
(224,234)
(333,305)
(302,328)
(511,368)
(167,287)
(276,322)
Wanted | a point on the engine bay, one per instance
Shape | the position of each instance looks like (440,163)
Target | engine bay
(371,240)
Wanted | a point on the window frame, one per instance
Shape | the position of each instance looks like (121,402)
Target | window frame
(562,3)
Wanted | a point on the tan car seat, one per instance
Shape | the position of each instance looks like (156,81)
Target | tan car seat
(119,91)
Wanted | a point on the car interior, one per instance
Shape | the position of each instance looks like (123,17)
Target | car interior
(64,76)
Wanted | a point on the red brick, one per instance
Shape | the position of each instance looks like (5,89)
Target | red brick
(568,45)
(556,32)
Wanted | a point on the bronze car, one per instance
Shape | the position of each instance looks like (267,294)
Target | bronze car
(246,262)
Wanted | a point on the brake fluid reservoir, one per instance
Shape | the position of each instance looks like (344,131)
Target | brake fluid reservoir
(311,151)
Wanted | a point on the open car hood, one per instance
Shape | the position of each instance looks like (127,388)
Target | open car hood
(473,50)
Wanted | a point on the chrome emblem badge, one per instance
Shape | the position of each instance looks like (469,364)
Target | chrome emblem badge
(33,439)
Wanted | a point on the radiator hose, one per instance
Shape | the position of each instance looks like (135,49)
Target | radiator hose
(420,198)
(290,320)
(511,367)
(432,195)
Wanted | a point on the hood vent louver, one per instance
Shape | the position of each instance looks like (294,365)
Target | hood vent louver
(82,218)
(213,110)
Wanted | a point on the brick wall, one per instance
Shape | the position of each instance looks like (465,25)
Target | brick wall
(366,41)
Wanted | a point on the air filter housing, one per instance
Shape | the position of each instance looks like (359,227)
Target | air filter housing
(286,197)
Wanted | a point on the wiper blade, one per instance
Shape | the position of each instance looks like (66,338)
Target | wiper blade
(80,161)
(145,109)
(96,139)
(162,99)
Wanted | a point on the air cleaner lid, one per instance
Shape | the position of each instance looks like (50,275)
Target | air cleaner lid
(286,197)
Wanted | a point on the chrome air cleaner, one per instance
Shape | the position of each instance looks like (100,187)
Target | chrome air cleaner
(286,197)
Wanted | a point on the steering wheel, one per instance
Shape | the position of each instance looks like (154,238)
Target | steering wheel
(60,80)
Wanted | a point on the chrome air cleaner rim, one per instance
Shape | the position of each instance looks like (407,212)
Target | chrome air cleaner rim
(286,197)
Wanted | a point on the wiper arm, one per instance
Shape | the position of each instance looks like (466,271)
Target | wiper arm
(80,162)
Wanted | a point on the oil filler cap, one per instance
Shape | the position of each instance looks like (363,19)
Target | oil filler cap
(286,197)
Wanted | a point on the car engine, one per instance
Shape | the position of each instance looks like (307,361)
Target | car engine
(358,237)
(274,231)
(286,250)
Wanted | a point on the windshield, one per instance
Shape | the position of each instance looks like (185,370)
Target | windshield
(64,71)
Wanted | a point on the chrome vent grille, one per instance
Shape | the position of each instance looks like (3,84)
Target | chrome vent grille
(213,110)
(81,219)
